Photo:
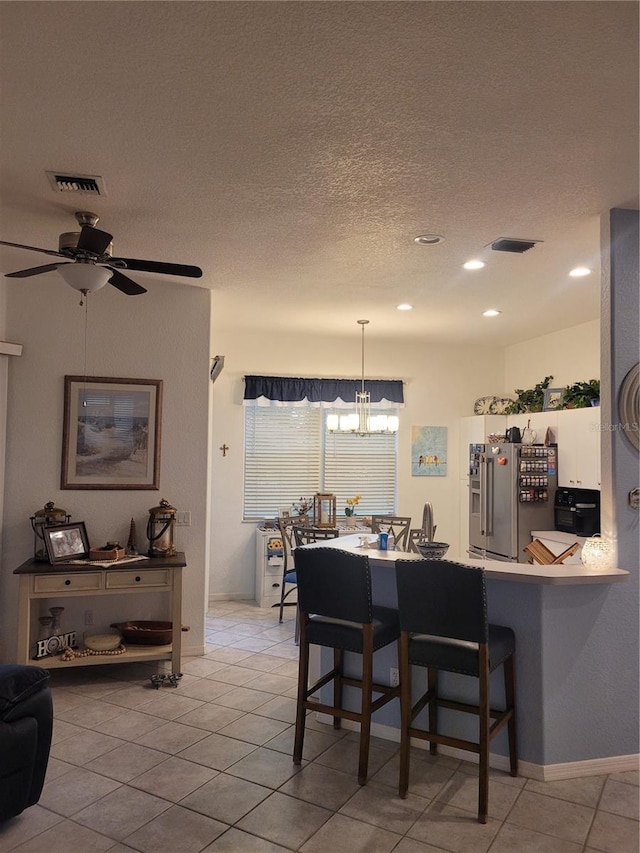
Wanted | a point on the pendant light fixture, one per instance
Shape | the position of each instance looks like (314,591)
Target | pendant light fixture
(362,422)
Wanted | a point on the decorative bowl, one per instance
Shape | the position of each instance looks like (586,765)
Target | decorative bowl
(433,550)
(496,437)
(102,641)
(145,633)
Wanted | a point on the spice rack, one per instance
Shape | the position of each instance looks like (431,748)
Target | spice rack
(535,465)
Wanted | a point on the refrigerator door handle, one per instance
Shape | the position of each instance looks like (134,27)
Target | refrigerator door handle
(488,498)
(483,494)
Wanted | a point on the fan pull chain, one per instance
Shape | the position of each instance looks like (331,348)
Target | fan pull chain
(85,296)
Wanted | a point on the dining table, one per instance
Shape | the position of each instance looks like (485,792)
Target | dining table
(551,609)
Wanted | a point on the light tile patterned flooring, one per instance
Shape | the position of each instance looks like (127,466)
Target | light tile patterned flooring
(207,767)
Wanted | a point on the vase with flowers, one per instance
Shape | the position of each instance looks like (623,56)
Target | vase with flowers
(303,506)
(350,509)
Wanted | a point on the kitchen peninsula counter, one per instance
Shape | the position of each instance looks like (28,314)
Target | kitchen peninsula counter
(563,650)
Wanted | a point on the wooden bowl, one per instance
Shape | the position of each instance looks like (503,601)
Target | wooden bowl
(145,633)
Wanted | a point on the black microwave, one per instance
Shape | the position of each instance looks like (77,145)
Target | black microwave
(577,511)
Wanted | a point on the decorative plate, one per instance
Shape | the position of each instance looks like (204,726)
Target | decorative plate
(499,405)
(482,405)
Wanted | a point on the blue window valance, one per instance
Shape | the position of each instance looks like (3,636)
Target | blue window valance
(287,391)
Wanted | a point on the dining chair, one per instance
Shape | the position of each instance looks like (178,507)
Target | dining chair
(336,611)
(396,525)
(444,627)
(289,580)
(305,535)
(415,535)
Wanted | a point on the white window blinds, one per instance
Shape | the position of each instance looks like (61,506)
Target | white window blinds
(289,454)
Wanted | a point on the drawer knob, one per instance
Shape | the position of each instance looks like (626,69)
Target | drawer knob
(67,582)
(138,579)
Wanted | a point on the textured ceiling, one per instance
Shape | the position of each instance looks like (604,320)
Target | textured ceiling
(293,151)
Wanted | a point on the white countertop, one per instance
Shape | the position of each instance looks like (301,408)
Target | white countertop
(494,569)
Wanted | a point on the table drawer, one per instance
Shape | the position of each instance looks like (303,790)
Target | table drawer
(130,580)
(66,583)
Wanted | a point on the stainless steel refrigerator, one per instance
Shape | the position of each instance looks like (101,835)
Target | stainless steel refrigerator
(511,491)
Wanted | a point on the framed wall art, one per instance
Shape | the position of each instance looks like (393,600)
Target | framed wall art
(111,433)
(66,542)
(428,451)
(552,399)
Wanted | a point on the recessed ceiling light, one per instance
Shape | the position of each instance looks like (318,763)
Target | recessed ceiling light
(404,306)
(491,312)
(474,265)
(428,239)
(578,272)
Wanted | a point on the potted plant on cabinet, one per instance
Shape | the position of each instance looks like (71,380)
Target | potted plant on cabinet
(581,394)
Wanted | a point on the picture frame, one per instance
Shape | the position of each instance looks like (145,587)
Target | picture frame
(65,542)
(552,399)
(111,433)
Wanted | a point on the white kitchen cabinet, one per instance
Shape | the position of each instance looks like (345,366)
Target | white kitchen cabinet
(579,448)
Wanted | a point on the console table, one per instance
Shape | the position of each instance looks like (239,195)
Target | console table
(61,581)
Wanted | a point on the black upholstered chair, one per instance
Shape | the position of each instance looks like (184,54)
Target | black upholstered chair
(334,600)
(444,627)
(26,720)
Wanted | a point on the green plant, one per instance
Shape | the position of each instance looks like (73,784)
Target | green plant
(529,401)
(580,394)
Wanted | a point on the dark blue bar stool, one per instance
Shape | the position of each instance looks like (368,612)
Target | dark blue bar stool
(334,600)
(444,626)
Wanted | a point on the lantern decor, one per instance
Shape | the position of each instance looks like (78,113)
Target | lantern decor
(160,527)
(597,554)
(50,516)
(324,510)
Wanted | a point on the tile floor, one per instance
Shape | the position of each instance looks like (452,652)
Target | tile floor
(207,767)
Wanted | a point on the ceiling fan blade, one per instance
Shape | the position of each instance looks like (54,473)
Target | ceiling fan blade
(33,249)
(93,240)
(35,270)
(125,284)
(158,266)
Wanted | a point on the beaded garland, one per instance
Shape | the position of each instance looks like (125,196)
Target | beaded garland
(69,654)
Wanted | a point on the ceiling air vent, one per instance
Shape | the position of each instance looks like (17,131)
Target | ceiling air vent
(79,184)
(513,244)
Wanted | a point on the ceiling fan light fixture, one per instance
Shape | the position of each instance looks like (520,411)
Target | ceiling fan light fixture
(85,277)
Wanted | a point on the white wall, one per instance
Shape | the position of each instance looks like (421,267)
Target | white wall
(163,334)
(439,388)
(570,355)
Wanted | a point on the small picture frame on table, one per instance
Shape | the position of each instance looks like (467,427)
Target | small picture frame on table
(66,542)
(552,399)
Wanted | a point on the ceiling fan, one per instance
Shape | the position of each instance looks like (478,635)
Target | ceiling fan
(89,264)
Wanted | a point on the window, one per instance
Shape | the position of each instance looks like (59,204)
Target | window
(289,454)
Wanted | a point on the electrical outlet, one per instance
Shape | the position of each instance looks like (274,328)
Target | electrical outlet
(394,677)
(88,618)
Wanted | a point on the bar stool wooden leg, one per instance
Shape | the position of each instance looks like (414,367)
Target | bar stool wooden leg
(303,680)
(484,725)
(510,697)
(338,664)
(366,700)
(404,668)
(432,682)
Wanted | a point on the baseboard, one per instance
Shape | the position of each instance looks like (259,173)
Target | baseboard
(538,772)
(225,596)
